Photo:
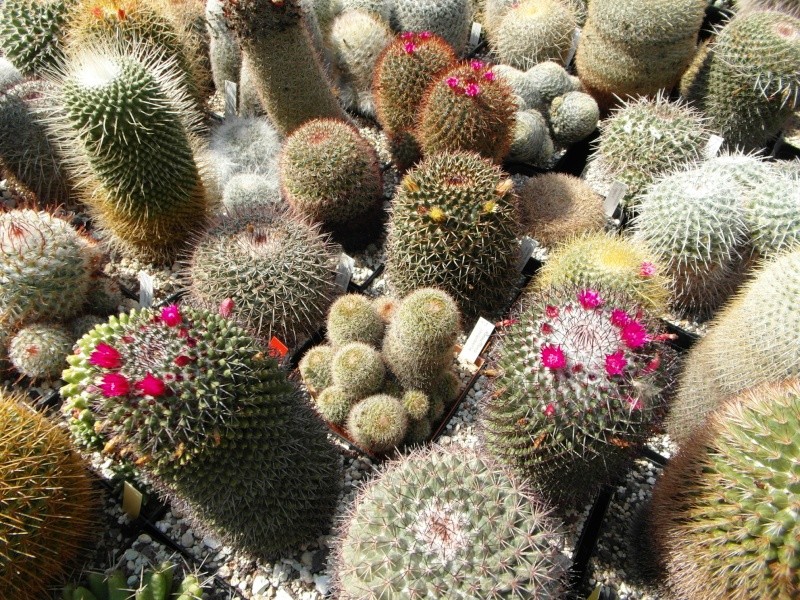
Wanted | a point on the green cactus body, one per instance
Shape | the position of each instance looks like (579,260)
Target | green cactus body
(532,142)
(40,351)
(31,33)
(44,267)
(772,215)
(315,368)
(49,509)
(155,584)
(419,431)
(354,318)
(378,423)
(453,226)
(791,7)
(724,515)
(358,369)
(467,108)
(573,117)
(278,272)
(417,404)
(191,398)
(334,404)
(749,85)
(523,86)
(128,126)
(468,530)
(442,392)
(580,378)
(551,80)
(753,340)
(451,19)
(224,51)
(286,69)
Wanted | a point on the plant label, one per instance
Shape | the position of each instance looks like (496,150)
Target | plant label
(344,271)
(526,247)
(576,37)
(474,36)
(145,290)
(276,348)
(476,341)
(231,96)
(713,145)
(131,500)
(615,195)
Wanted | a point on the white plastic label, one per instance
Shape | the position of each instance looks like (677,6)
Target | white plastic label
(230,99)
(476,341)
(576,37)
(474,36)
(131,500)
(526,247)
(615,195)
(713,145)
(344,271)
(145,290)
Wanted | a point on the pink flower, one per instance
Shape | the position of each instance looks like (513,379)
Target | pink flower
(489,76)
(551,311)
(452,82)
(652,365)
(182,360)
(550,410)
(634,335)
(171,315)
(647,269)
(114,384)
(620,318)
(226,308)
(151,385)
(546,328)
(553,357)
(409,47)
(615,363)
(476,65)
(634,403)
(425,35)
(407,35)
(472,90)
(105,357)
(589,299)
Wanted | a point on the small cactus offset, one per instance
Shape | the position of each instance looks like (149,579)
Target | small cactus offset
(358,369)
(378,423)
(354,318)
(40,351)
(573,117)
(32,33)
(581,374)
(448,524)
(532,142)
(159,583)
(450,19)
(244,145)
(315,368)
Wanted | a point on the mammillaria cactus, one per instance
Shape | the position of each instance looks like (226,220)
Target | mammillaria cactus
(378,423)
(791,7)
(531,142)
(39,351)
(573,117)
(315,367)
(580,377)
(724,514)
(158,583)
(354,318)
(245,145)
(248,191)
(551,80)
(772,214)
(224,51)
(358,369)
(467,108)
(9,74)
(450,19)
(49,508)
(191,398)
(32,32)
(523,87)
(453,226)
(468,530)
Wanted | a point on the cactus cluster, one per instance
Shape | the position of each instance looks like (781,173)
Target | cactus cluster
(155,584)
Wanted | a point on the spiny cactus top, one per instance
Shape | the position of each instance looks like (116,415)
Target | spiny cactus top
(32,31)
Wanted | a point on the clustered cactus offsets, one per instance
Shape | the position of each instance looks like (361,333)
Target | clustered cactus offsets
(155,584)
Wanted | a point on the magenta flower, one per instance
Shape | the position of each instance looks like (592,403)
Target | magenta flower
(634,335)
(171,315)
(553,357)
(409,47)
(652,365)
(105,357)
(589,299)
(182,360)
(620,318)
(489,76)
(615,363)
(634,403)
(546,328)
(453,82)
(407,35)
(551,311)
(151,385)
(647,269)
(472,90)
(476,65)
(226,308)
(425,35)
(114,384)
(550,410)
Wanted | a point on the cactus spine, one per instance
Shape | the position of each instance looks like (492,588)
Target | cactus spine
(31,33)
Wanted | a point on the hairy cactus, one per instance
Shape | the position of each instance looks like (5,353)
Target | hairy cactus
(49,509)
(224,50)
(468,530)
(573,117)
(334,404)
(315,368)
(612,263)
(191,398)
(451,19)
(772,214)
(532,142)
(453,226)
(378,423)
(354,318)
(358,370)
(286,69)
(791,7)
(579,384)
(534,31)
(155,584)
(724,514)
(128,126)
(279,272)
(467,108)
(9,74)
(248,191)
(247,145)
(32,32)
(39,351)
(753,340)
(417,404)
(748,83)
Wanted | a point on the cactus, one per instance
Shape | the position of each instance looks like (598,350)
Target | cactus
(417,404)
(315,368)
(693,223)
(791,7)
(451,19)
(44,267)
(468,530)
(453,226)
(334,404)
(353,318)
(556,207)
(644,139)
(551,80)
(467,108)
(403,72)
(419,431)
(748,83)
(279,272)
(224,51)
(128,126)
(9,74)
(611,262)
(155,584)
(39,351)
(534,31)
(772,215)
(573,117)
(49,509)
(191,398)
(724,514)
(524,87)
(286,69)
(246,145)
(579,384)
(246,191)
(358,370)
(378,423)
(31,33)
(752,340)
(532,142)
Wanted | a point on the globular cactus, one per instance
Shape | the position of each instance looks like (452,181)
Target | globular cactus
(378,423)
(49,508)
(467,108)
(724,516)
(44,267)
(278,272)
(556,207)
(532,142)
(191,398)
(287,70)
(248,191)
(39,351)
(451,19)
(354,318)
(534,31)
(791,7)
(358,370)
(753,340)
(748,83)
(246,145)
(551,80)
(224,51)
(158,583)
(453,226)
(417,404)
(524,88)
(614,263)
(579,387)
(573,117)
(32,32)
(334,404)
(419,431)
(693,223)
(772,215)
(315,367)
(128,126)
(468,530)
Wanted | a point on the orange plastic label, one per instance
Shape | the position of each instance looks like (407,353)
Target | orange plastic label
(277,349)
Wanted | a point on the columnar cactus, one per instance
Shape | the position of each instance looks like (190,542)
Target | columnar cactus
(467,530)
(191,398)
(39,351)
(224,51)
(32,32)
(451,19)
